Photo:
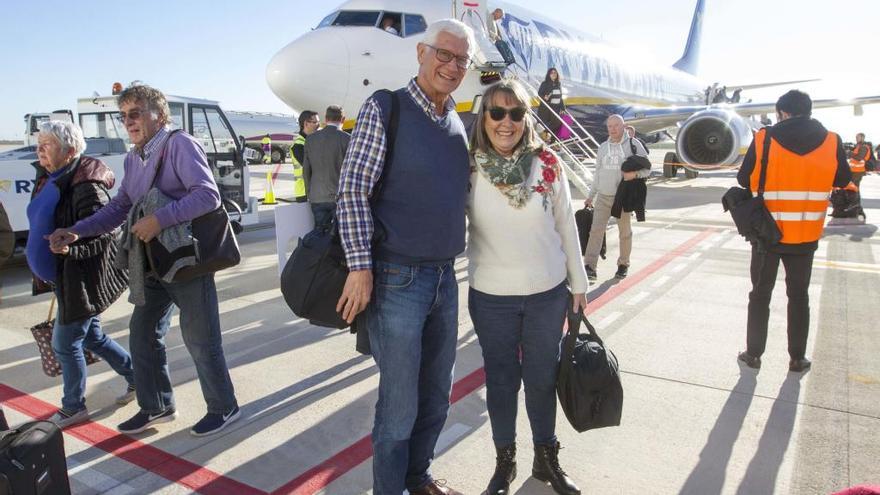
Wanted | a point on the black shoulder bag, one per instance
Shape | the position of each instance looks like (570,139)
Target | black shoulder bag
(750,214)
(588,384)
(214,245)
(314,277)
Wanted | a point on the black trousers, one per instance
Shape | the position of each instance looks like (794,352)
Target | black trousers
(798,268)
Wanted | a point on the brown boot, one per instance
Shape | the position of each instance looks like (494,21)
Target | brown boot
(505,470)
(546,468)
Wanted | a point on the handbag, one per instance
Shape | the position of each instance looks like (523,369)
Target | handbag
(314,277)
(588,384)
(750,214)
(42,333)
(214,244)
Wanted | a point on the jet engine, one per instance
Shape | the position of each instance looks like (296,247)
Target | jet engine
(713,139)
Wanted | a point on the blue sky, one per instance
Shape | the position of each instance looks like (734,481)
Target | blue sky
(55,52)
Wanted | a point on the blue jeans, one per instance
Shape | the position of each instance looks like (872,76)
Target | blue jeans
(200,329)
(520,338)
(68,341)
(323,213)
(413,327)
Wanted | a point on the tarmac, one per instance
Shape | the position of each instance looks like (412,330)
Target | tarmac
(694,420)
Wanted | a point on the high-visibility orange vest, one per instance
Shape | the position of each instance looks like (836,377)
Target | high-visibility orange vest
(796,192)
(855,164)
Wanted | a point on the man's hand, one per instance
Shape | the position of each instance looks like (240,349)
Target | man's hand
(588,202)
(355,294)
(60,239)
(630,175)
(147,228)
(579,302)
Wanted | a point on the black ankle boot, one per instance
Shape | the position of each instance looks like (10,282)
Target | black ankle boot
(546,468)
(505,470)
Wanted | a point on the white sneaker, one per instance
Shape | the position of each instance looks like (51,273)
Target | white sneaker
(63,420)
(126,396)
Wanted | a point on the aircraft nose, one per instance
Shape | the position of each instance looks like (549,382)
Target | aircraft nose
(311,72)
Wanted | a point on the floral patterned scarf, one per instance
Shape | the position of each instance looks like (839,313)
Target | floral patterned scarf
(508,175)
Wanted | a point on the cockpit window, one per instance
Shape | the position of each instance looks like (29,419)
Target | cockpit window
(390,23)
(413,24)
(356,18)
(328,21)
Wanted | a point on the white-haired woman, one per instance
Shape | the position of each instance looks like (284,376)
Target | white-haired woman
(86,281)
(525,272)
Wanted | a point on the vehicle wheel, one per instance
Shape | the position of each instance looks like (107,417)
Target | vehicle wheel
(277,155)
(669,169)
(691,174)
(259,156)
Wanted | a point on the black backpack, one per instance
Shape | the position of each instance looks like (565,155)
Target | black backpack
(588,385)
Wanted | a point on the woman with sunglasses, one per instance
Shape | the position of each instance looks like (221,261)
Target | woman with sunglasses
(524,265)
(550,91)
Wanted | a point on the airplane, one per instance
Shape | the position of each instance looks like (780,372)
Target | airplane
(348,56)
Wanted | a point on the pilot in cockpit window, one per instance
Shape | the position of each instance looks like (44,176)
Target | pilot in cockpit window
(391,25)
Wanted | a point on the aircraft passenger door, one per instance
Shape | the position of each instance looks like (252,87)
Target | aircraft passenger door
(213,132)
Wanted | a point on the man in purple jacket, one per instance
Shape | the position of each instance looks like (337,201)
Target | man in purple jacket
(186,178)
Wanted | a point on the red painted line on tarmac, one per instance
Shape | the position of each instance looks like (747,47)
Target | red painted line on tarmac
(276,171)
(157,461)
(320,476)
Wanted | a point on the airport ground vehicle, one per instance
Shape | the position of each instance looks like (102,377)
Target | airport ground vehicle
(106,139)
(253,126)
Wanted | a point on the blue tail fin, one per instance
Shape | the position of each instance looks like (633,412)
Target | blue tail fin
(690,60)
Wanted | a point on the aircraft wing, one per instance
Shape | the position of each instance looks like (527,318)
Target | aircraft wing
(747,87)
(653,119)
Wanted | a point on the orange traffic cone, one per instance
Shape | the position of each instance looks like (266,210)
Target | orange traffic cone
(269,195)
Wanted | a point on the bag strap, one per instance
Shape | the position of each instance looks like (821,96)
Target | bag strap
(632,146)
(51,307)
(391,123)
(574,327)
(765,152)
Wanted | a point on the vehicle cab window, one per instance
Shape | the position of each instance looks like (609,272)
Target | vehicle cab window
(413,24)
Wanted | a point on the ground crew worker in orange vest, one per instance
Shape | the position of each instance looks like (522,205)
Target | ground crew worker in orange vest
(804,162)
(859,156)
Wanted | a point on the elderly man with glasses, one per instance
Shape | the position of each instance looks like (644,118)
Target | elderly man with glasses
(403,279)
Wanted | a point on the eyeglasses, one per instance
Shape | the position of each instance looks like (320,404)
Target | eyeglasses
(446,56)
(132,115)
(516,113)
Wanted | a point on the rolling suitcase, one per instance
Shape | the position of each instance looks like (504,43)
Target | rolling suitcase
(32,460)
(584,220)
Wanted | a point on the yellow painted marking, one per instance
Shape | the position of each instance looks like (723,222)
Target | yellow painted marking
(866,380)
(848,266)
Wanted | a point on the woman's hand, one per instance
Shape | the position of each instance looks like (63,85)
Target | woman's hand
(579,302)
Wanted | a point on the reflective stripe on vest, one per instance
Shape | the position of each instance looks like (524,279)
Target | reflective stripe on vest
(856,165)
(796,192)
(298,140)
(299,184)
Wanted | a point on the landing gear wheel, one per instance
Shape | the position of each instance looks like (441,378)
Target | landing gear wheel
(691,174)
(277,155)
(669,168)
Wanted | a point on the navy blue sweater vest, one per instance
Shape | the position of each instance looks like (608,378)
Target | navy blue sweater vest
(420,209)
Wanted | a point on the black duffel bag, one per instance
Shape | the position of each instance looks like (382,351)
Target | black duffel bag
(750,214)
(588,385)
(319,256)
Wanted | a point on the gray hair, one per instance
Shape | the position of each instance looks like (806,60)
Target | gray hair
(456,28)
(615,116)
(154,100)
(514,91)
(68,134)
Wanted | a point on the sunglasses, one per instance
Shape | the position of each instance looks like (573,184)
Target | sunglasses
(446,56)
(132,115)
(516,114)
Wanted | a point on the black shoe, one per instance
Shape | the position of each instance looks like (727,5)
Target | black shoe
(591,273)
(621,272)
(799,365)
(505,470)
(143,420)
(215,422)
(749,360)
(546,468)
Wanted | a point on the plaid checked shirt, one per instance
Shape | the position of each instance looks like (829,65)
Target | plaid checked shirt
(361,168)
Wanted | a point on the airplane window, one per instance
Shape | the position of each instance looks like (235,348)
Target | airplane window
(356,18)
(390,23)
(328,21)
(414,24)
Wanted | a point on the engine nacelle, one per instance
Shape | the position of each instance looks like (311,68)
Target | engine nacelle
(713,139)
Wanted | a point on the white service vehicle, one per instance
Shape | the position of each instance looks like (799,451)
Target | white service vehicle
(106,139)
(253,127)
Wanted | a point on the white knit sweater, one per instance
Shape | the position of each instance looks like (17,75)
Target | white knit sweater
(522,251)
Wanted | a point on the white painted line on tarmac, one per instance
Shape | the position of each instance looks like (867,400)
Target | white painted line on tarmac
(94,479)
(845,266)
(695,255)
(450,435)
(20,361)
(608,320)
(661,281)
(637,298)
(679,267)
